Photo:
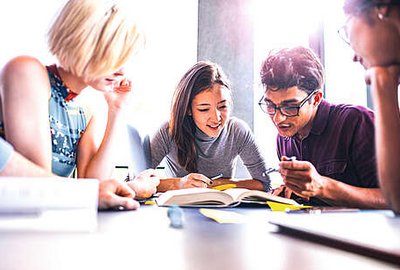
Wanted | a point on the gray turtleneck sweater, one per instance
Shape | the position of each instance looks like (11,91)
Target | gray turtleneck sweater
(215,155)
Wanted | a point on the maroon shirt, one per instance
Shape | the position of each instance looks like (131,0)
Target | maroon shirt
(340,145)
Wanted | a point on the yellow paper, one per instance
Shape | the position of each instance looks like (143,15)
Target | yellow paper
(281,207)
(222,216)
(225,186)
(149,202)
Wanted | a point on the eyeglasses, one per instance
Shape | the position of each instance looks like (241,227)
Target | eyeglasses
(343,34)
(289,111)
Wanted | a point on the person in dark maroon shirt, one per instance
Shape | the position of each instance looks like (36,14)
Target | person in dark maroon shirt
(333,145)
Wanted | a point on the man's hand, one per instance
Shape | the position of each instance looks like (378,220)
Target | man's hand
(302,178)
(115,194)
(282,191)
(145,184)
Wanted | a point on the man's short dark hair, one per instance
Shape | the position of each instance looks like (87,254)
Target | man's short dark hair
(288,67)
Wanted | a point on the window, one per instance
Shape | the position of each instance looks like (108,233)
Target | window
(289,23)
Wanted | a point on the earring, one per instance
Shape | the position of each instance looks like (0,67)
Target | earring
(381,16)
(357,58)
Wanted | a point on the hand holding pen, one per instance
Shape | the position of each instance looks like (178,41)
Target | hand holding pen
(272,169)
(302,178)
(282,190)
(196,180)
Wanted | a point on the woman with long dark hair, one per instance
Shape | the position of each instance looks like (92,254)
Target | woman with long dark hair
(201,139)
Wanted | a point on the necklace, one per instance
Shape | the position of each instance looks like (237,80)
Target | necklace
(71,95)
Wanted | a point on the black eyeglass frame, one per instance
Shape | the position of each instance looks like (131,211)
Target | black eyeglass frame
(264,106)
(342,31)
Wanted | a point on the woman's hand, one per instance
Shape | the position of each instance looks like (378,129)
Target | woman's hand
(145,184)
(194,180)
(120,95)
(115,194)
(384,80)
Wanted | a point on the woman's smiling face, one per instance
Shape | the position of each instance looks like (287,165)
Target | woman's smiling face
(211,108)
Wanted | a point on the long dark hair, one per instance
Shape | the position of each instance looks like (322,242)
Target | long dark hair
(203,75)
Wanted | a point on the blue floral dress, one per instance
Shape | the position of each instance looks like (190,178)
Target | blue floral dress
(67,124)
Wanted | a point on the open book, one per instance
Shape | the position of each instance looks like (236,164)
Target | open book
(210,197)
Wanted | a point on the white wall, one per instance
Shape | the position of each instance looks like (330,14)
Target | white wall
(23,28)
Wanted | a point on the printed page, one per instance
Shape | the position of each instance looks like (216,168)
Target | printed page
(246,195)
(194,197)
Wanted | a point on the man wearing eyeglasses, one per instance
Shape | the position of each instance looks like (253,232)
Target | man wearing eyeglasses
(333,144)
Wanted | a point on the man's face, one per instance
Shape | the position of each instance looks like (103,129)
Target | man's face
(288,126)
(376,42)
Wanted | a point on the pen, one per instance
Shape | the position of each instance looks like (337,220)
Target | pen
(213,178)
(316,210)
(269,170)
(217,176)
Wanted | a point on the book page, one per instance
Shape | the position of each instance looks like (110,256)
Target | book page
(236,193)
(246,195)
(212,197)
(194,197)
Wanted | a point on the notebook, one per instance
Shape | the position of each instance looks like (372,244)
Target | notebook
(139,151)
(48,204)
(370,233)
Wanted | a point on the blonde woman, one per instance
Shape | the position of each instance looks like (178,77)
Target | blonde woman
(92,40)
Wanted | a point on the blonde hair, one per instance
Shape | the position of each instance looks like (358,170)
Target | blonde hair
(92,38)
